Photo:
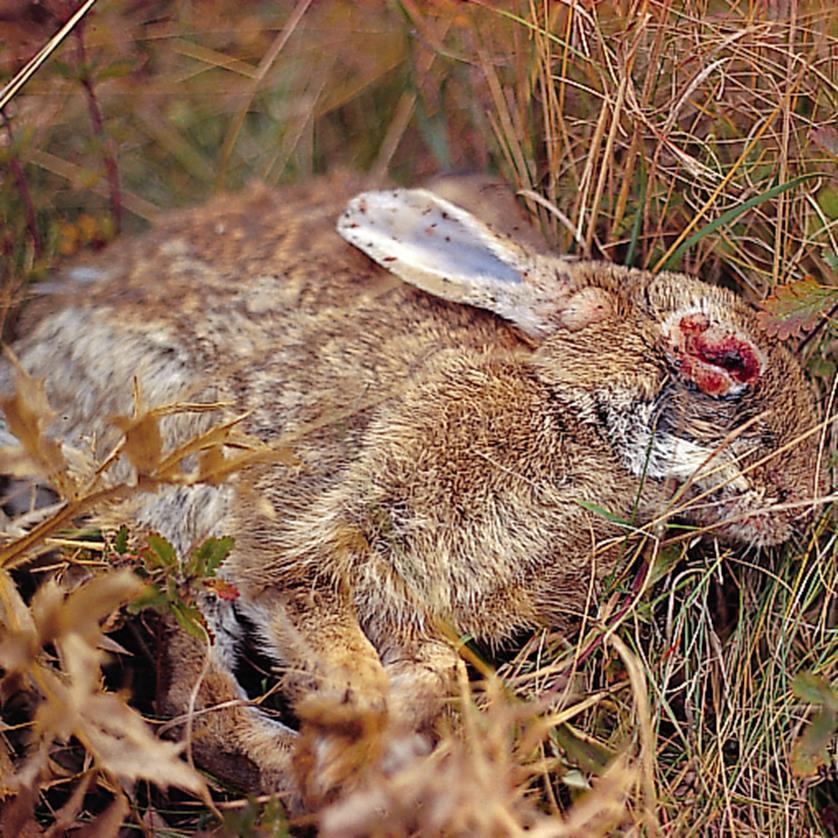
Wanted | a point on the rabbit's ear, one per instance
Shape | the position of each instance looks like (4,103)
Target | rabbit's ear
(442,249)
(716,357)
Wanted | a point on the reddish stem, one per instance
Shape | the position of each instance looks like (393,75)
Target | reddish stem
(108,151)
(19,176)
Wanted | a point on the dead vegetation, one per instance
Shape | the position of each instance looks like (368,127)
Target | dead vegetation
(699,695)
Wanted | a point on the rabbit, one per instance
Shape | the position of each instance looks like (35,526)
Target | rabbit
(460,402)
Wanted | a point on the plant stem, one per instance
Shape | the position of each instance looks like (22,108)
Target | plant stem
(108,149)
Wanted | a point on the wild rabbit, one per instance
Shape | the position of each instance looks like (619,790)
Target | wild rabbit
(453,436)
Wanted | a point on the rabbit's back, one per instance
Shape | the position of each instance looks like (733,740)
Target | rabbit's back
(252,302)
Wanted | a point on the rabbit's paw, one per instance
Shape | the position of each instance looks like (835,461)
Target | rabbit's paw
(344,744)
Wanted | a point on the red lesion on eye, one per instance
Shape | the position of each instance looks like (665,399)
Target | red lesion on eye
(714,358)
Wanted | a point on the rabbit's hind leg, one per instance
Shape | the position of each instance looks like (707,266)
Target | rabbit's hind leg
(353,725)
(229,736)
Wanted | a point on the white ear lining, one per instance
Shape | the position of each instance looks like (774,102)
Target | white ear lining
(420,228)
(433,244)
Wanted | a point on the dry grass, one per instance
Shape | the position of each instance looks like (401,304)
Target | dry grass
(630,128)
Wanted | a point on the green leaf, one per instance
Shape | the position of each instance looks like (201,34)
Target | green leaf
(604,513)
(666,559)
(120,543)
(586,752)
(160,552)
(150,597)
(64,70)
(116,69)
(815,690)
(796,307)
(811,750)
(209,556)
(733,214)
(827,199)
(190,620)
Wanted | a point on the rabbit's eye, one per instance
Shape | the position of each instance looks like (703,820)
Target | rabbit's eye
(715,357)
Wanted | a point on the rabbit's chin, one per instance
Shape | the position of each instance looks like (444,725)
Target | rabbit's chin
(739,520)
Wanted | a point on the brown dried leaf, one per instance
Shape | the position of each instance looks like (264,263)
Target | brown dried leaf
(107,823)
(89,604)
(143,443)
(6,771)
(74,701)
(796,307)
(18,643)
(57,615)
(27,414)
(212,439)
(115,735)
(216,467)
(124,745)
(17,816)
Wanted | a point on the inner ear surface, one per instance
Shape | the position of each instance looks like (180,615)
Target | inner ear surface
(414,234)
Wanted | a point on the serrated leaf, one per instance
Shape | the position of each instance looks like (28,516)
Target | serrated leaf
(208,557)
(143,441)
(796,307)
(28,414)
(160,552)
(814,690)
(73,701)
(85,607)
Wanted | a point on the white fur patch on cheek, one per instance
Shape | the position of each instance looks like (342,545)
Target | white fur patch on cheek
(683,460)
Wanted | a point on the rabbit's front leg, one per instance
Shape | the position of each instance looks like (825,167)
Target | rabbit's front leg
(325,655)
(350,726)
(423,674)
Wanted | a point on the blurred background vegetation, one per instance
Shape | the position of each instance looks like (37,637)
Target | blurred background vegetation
(698,135)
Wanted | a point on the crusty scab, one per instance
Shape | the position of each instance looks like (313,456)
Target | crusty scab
(714,357)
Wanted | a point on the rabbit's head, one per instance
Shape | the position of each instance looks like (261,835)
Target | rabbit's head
(673,371)
(741,397)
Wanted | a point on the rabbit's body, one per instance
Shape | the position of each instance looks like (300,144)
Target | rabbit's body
(448,467)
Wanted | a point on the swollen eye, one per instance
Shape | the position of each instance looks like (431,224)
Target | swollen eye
(716,359)
(732,355)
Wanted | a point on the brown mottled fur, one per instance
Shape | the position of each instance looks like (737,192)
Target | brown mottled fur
(441,454)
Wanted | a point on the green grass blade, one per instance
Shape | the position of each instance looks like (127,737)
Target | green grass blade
(732,214)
